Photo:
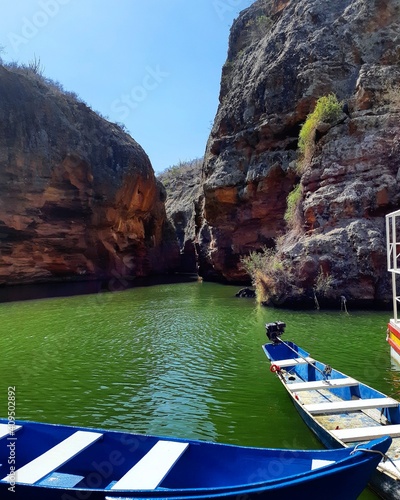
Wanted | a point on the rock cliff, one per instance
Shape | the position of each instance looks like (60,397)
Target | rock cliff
(183,186)
(283,56)
(79,199)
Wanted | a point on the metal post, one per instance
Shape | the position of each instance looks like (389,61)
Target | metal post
(388,244)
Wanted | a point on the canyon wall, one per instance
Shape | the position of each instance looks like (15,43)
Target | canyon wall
(184,188)
(284,55)
(78,196)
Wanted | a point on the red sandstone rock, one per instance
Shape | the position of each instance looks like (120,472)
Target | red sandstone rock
(79,199)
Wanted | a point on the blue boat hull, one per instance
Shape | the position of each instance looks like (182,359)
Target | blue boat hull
(384,484)
(203,470)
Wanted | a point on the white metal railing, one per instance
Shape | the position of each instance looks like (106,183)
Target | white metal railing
(393,256)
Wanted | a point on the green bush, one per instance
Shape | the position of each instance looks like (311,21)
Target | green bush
(293,201)
(327,109)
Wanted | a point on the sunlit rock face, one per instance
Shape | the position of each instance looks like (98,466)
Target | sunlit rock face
(79,199)
(283,56)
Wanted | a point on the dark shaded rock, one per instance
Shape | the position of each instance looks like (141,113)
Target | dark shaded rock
(246,293)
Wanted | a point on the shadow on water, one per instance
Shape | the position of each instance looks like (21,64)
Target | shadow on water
(14,293)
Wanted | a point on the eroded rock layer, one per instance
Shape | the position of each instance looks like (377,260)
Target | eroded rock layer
(79,199)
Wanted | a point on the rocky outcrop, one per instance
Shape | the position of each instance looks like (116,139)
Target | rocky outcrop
(349,185)
(183,187)
(79,199)
(284,55)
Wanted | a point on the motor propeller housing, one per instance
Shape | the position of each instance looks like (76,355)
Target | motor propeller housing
(275,330)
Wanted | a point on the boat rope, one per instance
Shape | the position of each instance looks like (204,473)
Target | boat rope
(324,373)
(383,455)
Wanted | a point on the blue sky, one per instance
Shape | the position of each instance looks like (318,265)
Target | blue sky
(154,65)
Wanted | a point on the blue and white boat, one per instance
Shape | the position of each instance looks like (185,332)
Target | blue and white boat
(54,462)
(340,410)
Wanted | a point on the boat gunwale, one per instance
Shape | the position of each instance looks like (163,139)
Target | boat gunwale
(346,461)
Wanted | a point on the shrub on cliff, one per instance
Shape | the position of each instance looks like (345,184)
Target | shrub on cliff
(181,173)
(292,214)
(256,28)
(273,281)
(392,95)
(327,110)
(34,71)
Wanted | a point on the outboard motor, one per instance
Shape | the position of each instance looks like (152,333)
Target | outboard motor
(275,330)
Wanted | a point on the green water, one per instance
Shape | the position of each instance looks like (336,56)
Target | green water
(181,360)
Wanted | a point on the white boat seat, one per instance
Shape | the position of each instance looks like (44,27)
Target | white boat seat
(55,457)
(5,429)
(284,363)
(148,473)
(366,433)
(353,405)
(322,384)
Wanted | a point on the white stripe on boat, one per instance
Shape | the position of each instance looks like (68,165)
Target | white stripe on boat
(283,363)
(148,473)
(353,405)
(366,433)
(318,463)
(6,429)
(55,457)
(322,384)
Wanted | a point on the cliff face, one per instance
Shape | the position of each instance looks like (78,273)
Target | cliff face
(183,187)
(283,56)
(79,199)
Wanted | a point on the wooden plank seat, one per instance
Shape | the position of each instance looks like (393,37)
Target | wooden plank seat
(284,363)
(392,467)
(366,433)
(5,430)
(148,473)
(353,405)
(54,458)
(322,384)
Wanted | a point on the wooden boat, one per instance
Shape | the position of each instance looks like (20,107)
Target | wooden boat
(339,409)
(53,462)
